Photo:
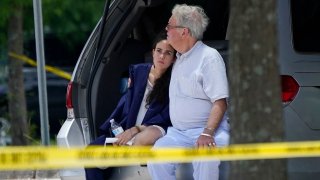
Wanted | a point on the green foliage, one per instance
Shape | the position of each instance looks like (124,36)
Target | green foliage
(5,12)
(4,15)
(69,20)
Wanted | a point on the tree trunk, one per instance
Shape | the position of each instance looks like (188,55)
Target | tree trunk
(256,110)
(16,94)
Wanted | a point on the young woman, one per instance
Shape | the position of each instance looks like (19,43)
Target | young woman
(143,111)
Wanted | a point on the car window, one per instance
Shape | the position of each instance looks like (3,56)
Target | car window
(305,25)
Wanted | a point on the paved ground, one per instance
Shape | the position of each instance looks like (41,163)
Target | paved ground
(52,174)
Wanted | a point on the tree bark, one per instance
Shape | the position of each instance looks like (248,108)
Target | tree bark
(16,93)
(256,109)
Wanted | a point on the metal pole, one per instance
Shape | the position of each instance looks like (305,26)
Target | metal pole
(43,103)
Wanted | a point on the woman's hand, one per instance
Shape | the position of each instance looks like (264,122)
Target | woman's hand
(123,138)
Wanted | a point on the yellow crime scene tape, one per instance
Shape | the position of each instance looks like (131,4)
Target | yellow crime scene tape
(32,62)
(57,158)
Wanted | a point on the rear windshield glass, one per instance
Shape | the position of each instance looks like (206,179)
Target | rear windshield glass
(305,25)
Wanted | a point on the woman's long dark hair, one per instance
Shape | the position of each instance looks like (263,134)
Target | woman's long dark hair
(160,91)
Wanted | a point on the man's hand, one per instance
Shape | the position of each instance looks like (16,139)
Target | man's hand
(205,141)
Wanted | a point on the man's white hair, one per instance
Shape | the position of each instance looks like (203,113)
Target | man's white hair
(192,17)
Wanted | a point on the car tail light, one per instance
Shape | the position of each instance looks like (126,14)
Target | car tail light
(69,96)
(290,88)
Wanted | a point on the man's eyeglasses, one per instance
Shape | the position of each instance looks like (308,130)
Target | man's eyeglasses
(168,27)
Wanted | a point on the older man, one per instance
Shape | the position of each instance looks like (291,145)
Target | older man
(198,92)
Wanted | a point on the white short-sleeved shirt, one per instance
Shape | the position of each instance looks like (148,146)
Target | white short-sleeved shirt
(198,79)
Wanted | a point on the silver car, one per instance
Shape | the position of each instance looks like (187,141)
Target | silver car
(123,36)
